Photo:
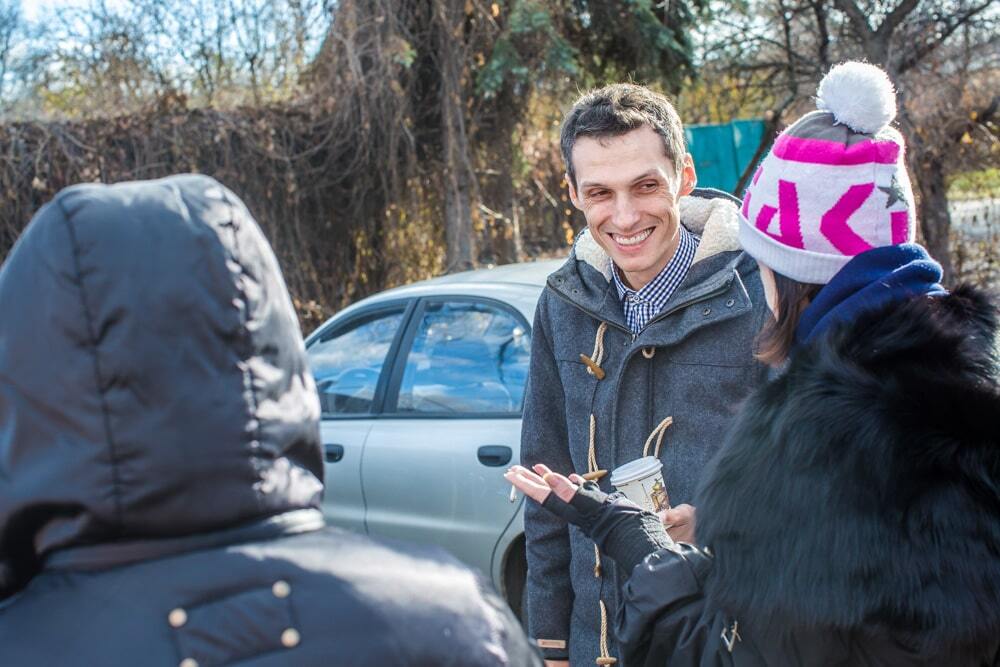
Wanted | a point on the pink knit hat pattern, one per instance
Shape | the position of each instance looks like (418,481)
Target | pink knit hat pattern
(834,184)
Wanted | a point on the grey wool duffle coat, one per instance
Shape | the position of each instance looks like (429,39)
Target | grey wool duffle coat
(683,376)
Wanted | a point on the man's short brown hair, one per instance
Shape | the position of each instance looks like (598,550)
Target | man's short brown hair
(616,110)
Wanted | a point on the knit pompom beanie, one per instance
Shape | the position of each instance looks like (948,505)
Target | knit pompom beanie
(834,184)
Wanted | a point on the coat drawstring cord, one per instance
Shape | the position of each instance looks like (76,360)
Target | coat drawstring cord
(605,658)
(593,364)
(657,433)
(592,469)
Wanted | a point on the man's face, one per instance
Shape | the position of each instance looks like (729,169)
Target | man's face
(629,190)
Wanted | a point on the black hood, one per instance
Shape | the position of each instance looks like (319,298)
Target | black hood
(861,490)
(153,380)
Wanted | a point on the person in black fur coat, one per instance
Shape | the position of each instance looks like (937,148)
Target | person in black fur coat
(853,515)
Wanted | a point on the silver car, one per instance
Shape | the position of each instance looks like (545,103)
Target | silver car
(421,389)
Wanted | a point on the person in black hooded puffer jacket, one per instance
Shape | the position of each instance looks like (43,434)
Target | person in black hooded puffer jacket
(160,463)
(853,515)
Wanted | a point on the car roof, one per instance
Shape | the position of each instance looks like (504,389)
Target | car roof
(522,273)
(517,284)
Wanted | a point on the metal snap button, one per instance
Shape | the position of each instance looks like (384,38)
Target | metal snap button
(729,304)
(281,589)
(189,662)
(706,312)
(290,638)
(177,618)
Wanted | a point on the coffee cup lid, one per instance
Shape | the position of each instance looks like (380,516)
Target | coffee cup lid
(633,470)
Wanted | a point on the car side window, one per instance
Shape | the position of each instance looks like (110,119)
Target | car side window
(466,357)
(348,360)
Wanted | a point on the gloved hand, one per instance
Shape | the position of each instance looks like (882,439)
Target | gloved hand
(621,529)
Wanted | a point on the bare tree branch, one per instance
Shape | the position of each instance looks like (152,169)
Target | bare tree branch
(895,18)
(10,25)
(982,117)
(921,51)
(857,18)
(765,141)
(823,47)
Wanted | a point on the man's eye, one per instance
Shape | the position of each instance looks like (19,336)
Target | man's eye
(649,186)
(597,194)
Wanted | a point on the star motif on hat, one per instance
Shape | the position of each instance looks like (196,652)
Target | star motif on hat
(894,192)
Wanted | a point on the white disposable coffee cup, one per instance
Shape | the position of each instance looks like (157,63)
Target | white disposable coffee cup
(642,482)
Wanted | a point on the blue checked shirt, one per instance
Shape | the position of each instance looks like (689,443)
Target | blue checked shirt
(641,306)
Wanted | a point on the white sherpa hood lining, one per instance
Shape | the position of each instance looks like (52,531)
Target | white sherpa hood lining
(716,220)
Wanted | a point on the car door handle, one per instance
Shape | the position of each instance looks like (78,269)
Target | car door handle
(333,453)
(495,456)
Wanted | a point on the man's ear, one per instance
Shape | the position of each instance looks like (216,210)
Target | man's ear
(573,197)
(689,178)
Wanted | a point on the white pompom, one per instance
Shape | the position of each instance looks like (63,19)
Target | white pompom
(858,95)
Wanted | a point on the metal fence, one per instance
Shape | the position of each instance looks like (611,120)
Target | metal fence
(975,227)
(975,219)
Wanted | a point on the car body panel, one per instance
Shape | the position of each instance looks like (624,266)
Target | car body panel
(512,535)
(424,483)
(343,499)
(418,476)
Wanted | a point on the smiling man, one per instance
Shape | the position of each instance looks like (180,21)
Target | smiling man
(631,197)
(642,345)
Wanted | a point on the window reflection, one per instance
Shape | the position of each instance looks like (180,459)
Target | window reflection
(466,358)
(347,362)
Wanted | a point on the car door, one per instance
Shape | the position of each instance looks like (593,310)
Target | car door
(433,464)
(351,359)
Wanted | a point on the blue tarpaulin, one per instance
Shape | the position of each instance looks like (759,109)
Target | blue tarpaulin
(722,152)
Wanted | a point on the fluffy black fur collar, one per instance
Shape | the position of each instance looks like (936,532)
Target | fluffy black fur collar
(861,489)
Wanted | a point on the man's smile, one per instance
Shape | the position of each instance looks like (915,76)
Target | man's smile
(632,240)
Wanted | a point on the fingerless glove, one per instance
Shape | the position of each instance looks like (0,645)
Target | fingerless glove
(622,530)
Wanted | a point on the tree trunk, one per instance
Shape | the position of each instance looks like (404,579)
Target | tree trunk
(517,242)
(505,231)
(932,211)
(457,212)
(458,176)
(927,168)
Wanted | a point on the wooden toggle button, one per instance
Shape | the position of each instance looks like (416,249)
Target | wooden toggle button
(592,365)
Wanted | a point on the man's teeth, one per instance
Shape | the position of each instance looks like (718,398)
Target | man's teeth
(632,240)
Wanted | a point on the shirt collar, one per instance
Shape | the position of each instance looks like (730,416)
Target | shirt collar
(680,262)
